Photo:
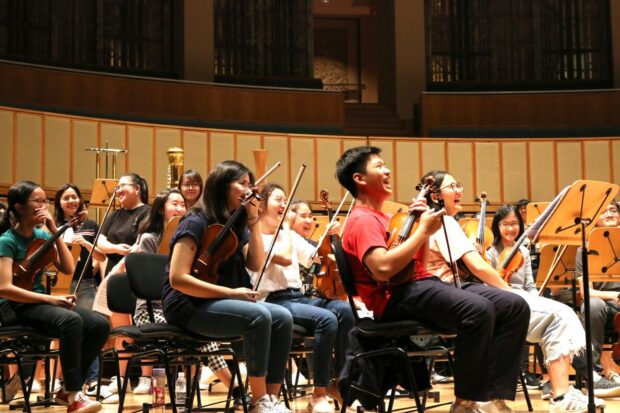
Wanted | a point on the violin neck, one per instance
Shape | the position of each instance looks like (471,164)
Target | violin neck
(222,234)
(481,223)
(47,245)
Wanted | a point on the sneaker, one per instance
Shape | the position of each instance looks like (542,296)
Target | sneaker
(437,378)
(12,386)
(546,391)
(573,401)
(105,394)
(466,406)
(113,386)
(532,381)
(277,406)
(143,387)
(613,376)
(494,406)
(262,405)
(82,404)
(606,388)
(35,386)
(319,405)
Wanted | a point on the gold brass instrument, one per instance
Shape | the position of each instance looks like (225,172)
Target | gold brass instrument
(176,157)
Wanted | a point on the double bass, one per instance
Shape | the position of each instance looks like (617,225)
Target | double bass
(326,281)
(39,254)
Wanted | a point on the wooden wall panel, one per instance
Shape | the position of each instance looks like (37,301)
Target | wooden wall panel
(164,140)
(433,156)
(461,165)
(542,167)
(302,150)
(569,162)
(84,136)
(515,171)
(6,143)
(221,147)
(140,154)
(278,151)
(112,135)
(29,150)
(328,152)
(57,142)
(487,170)
(195,151)
(597,165)
(407,157)
(615,152)
(246,143)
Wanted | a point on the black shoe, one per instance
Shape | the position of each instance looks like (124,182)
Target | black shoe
(532,381)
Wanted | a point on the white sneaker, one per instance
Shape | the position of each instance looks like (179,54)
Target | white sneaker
(573,401)
(113,386)
(494,406)
(105,394)
(277,406)
(143,387)
(613,376)
(262,405)
(319,406)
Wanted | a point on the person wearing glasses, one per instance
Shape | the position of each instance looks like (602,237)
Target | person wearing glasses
(81,332)
(486,331)
(604,305)
(553,325)
(190,186)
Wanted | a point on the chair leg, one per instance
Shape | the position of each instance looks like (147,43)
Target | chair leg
(526,393)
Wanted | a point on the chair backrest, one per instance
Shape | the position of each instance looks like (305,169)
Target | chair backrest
(120,297)
(146,273)
(345,273)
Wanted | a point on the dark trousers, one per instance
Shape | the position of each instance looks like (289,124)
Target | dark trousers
(81,333)
(491,326)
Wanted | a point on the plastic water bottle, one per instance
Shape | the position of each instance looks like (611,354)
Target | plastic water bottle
(180,392)
(159,390)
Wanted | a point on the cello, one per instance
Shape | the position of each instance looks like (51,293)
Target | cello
(39,254)
(326,281)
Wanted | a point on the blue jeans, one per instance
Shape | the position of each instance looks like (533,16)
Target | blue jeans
(266,329)
(329,320)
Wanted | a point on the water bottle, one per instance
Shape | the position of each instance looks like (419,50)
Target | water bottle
(159,390)
(180,392)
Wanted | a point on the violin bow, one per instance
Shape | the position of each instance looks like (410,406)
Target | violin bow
(302,168)
(347,216)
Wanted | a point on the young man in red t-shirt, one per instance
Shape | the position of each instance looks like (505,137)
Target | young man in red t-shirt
(480,374)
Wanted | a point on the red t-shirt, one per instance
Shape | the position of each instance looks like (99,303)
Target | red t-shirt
(367,229)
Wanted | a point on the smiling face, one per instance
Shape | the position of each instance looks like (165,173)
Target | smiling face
(190,190)
(303,224)
(272,211)
(174,206)
(451,193)
(509,228)
(376,182)
(36,201)
(237,190)
(128,192)
(70,202)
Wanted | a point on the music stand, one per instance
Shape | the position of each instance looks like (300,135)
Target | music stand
(561,263)
(534,210)
(102,192)
(603,259)
(567,221)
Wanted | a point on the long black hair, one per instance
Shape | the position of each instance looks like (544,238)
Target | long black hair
(501,213)
(18,194)
(217,188)
(154,221)
(59,213)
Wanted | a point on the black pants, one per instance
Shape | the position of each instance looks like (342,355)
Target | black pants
(491,326)
(81,333)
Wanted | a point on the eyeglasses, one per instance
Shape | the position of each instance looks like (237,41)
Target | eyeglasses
(506,225)
(455,186)
(190,186)
(40,201)
(124,184)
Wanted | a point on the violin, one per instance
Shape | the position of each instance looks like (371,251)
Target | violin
(219,242)
(511,259)
(478,232)
(402,225)
(327,281)
(39,254)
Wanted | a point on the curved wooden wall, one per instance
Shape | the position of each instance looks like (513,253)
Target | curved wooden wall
(49,148)
(173,101)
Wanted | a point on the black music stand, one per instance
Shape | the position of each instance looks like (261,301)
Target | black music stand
(567,220)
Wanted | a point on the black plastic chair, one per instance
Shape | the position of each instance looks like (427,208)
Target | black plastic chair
(165,342)
(391,331)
